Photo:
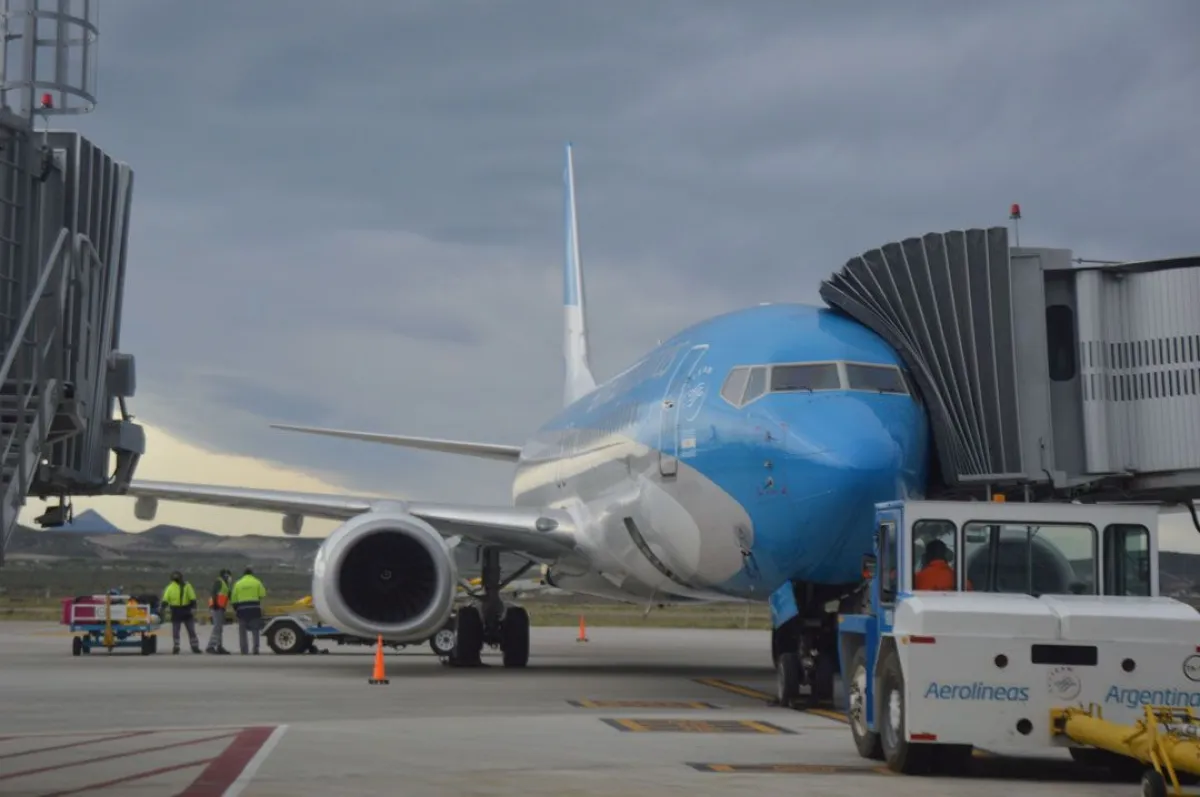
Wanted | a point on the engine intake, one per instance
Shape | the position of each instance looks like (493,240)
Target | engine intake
(385,573)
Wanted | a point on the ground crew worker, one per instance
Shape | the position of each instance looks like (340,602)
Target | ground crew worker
(936,574)
(181,598)
(246,597)
(216,606)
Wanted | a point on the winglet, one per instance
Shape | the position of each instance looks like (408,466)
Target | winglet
(579,379)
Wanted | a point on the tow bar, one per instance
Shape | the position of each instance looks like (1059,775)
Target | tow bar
(1167,740)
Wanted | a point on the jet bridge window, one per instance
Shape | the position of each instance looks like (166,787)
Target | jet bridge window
(875,378)
(816,376)
(1126,560)
(1034,559)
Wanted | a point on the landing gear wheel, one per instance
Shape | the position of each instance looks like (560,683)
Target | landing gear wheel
(442,643)
(76,646)
(787,678)
(287,638)
(899,755)
(514,637)
(822,681)
(468,638)
(1153,784)
(867,742)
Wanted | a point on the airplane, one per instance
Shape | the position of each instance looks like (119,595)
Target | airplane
(738,460)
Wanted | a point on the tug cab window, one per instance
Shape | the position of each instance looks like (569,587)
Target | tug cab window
(1127,560)
(875,378)
(934,562)
(888,549)
(1045,559)
(817,376)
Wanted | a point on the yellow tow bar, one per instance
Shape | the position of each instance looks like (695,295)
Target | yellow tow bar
(1167,739)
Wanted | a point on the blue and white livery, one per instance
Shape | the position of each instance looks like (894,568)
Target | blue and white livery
(739,460)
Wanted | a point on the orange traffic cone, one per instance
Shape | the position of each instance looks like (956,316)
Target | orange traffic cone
(377,677)
(582,630)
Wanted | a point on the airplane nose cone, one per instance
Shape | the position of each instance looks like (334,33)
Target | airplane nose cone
(839,468)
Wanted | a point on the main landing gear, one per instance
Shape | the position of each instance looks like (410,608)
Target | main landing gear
(488,620)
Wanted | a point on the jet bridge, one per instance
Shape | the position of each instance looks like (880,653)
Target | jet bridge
(64,225)
(1041,373)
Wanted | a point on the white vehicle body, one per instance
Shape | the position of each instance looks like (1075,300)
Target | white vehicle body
(983,665)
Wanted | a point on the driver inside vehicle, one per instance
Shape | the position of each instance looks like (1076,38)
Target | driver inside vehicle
(937,572)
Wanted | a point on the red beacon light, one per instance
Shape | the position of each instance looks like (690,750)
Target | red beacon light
(47,100)
(1014,212)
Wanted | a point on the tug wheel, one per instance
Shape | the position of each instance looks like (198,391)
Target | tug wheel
(867,742)
(1153,784)
(898,753)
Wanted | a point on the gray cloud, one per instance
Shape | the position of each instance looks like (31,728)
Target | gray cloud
(354,219)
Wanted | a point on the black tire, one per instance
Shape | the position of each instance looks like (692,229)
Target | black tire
(442,643)
(822,687)
(468,637)
(787,678)
(1153,784)
(899,755)
(153,644)
(514,637)
(867,741)
(147,646)
(287,638)
(76,646)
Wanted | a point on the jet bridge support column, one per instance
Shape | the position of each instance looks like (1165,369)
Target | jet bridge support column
(64,210)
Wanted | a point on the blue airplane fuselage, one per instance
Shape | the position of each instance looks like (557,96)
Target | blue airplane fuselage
(681,494)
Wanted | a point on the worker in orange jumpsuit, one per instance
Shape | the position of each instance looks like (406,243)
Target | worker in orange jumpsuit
(936,574)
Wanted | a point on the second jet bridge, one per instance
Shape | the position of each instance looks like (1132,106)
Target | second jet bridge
(1039,371)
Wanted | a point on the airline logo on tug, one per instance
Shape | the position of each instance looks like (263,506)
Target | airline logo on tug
(978,691)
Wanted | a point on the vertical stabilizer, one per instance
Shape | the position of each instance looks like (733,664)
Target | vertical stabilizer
(579,379)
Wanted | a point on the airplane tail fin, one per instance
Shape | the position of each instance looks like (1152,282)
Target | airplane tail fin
(579,379)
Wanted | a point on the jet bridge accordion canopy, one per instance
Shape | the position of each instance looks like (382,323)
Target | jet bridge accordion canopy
(1037,369)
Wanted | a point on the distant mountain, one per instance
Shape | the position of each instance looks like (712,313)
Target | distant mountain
(89,522)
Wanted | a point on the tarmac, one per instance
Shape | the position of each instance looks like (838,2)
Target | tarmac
(631,711)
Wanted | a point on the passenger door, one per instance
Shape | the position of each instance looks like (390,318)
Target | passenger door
(668,435)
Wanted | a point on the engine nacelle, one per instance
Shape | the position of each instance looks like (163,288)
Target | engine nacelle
(385,572)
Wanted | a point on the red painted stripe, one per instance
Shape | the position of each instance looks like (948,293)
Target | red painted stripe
(112,757)
(223,770)
(129,778)
(97,740)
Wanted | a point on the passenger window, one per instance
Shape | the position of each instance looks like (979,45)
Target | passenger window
(1046,559)
(735,385)
(875,378)
(757,384)
(1127,560)
(788,378)
(934,545)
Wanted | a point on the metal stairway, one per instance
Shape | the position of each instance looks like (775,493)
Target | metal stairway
(64,215)
(1041,373)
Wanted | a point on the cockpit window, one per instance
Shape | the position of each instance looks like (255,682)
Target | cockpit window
(757,385)
(821,376)
(735,385)
(878,378)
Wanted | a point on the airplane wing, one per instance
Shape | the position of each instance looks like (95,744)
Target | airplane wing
(483,450)
(539,534)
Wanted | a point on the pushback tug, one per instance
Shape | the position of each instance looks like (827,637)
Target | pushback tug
(1054,635)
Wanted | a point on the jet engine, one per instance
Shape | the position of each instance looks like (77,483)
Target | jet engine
(385,572)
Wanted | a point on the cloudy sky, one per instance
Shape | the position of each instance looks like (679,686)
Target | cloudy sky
(353,219)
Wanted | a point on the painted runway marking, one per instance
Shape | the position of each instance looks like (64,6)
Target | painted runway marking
(239,752)
(231,771)
(758,694)
(791,769)
(697,704)
(646,725)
